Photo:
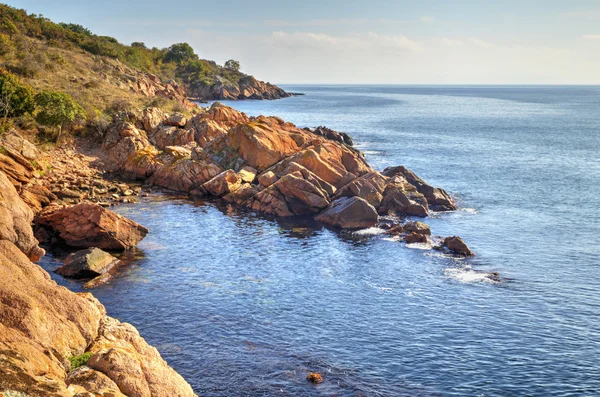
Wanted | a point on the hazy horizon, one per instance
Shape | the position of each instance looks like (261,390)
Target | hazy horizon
(350,42)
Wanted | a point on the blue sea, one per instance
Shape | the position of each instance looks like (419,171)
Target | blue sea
(243,305)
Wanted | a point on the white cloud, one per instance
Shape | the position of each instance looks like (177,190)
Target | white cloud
(591,36)
(370,40)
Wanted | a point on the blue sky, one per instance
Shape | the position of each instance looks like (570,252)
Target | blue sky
(419,42)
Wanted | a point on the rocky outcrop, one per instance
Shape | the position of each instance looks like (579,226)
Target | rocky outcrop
(437,199)
(88,263)
(15,220)
(349,213)
(90,225)
(246,88)
(42,325)
(266,164)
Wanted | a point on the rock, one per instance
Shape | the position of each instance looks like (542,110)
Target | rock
(12,140)
(270,201)
(349,213)
(247,88)
(135,367)
(184,175)
(267,179)
(247,174)
(172,136)
(369,187)
(97,281)
(179,152)
(87,263)
(18,173)
(93,381)
(314,377)
(37,197)
(302,196)
(91,225)
(206,130)
(437,198)
(241,195)
(332,135)
(402,198)
(261,144)
(223,183)
(15,220)
(152,118)
(418,228)
(68,193)
(458,246)
(43,324)
(415,238)
(176,120)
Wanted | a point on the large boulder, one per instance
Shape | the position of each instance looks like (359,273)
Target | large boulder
(349,213)
(437,198)
(85,379)
(206,130)
(136,367)
(87,263)
(458,246)
(223,183)
(90,225)
(152,118)
(302,196)
(37,197)
(18,170)
(15,220)
(369,186)
(184,174)
(263,142)
(402,198)
(171,136)
(176,120)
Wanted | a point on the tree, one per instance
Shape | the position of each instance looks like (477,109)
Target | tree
(138,44)
(232,64)
(57,109)
(16,98)
(180,53)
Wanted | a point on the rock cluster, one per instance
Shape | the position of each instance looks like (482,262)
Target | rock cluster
(247,88)
(268,165)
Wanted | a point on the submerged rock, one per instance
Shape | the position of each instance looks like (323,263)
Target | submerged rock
(458,246)
(87,263)
(91,225)
(349,213)
(314,377)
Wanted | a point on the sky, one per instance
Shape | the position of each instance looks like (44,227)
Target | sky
(363,42)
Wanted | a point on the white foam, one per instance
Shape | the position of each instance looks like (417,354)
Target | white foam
(371,231)
(420,246)
(469,210)
(468,275)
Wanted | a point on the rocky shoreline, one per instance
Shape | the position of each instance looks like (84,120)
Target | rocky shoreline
(261,163)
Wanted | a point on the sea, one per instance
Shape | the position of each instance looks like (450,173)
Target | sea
(246,305)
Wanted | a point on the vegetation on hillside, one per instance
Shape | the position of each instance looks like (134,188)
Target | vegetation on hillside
(178,62)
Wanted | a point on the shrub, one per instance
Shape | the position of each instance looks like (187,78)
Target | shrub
(6,44)
(16,98)
(232,64)
(78,361)
(57,109)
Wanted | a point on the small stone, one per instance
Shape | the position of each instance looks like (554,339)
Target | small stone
(128,192)
(315,377)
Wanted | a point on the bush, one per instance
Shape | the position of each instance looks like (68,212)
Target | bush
(16,98)
(6,44)
(232,64)
(78,361)
(57,109)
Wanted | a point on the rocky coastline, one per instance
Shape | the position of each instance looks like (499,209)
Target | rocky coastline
(262,163)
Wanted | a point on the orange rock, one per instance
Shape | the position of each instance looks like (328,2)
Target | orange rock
(15,220)
(91,225)
(314,377)
(223,183)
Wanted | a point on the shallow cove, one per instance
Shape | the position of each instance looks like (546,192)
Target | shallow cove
(243,305)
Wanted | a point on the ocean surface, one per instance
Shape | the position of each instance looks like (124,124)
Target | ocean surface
(242,305)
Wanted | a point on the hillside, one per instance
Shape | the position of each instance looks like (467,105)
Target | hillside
(71,58)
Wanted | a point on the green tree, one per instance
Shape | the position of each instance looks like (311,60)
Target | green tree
(57,109)
(180,53)
(232,64)
(16,98)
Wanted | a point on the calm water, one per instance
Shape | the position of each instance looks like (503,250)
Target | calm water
(245,306)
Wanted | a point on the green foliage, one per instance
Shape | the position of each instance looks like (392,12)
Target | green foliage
(232,64)
(78,361)
(76,28)
(16,98)
(180,53)
(6,44)
(57,109)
